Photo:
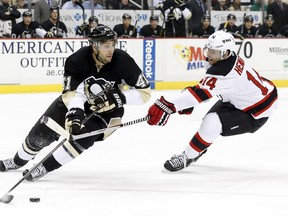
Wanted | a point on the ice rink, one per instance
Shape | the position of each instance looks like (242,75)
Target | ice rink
(241,176)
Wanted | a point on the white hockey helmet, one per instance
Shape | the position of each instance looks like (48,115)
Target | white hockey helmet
(222,41)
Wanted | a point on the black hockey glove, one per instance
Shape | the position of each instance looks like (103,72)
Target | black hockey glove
(73,121)
(109,100)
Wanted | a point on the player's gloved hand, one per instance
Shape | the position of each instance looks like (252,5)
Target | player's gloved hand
(73,121)
(49,35)
(187,111)
(160,112)
(181,4)
(109,100)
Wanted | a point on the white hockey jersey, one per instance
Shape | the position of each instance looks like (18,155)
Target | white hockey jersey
(234,81)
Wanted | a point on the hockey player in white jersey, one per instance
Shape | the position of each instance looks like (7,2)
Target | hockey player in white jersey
(246,100)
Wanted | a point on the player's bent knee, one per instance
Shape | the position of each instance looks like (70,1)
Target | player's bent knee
(211,126)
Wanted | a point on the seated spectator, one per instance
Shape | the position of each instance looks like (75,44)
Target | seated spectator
(124,5)
(221,6)
(152,29)
(29,29)
(235,6)
(229,25)
(72,4)
(204,29)
(247,30)
(54,25)
(267,30)
(257,6)
(20,4)
(85,29)
(126,30)
(97,4)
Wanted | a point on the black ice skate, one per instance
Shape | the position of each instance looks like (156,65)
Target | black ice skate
(181,161)
(38,173)
(8,164)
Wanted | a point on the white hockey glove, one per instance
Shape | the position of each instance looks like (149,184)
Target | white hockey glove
(177,13)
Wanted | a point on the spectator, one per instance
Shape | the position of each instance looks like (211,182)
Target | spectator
(247,30)
(267,30)
(20,4)
(279,10)
(152,29)
(29,29)
(119,4)
(54,25)
(257,6)
(97,4)
(8,16)
(198,9)
(72,4)
(86,28)
(229,25)
(42,10)
(221,6)
(126,30)
(203,30)
(235,6)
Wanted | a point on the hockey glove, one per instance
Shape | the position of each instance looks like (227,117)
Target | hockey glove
(187,111)
(160,112)
(109,100)
(49,35)
(73,121)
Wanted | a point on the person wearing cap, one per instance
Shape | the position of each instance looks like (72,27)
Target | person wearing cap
(267,30)
(8,16)
(125,29)
(229,25)
(279,10)
(247,30)
(54,25)
(204,29)
(152,29)
(85,29)
(29,29)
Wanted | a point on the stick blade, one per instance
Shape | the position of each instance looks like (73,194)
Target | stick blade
(7,198)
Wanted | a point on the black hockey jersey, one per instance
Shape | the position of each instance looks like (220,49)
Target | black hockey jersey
(121,32)
(22,31)
(198,31)
(147,31)
(51,27)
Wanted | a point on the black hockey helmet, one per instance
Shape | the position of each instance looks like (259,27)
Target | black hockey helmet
(269,17)
(93,19)
(231,17)
(54,8)
(26,14)
(102,33)
(154,17)
(206,17)
(249,18)
(126,16)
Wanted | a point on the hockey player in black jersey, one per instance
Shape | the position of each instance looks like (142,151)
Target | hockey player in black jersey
(29,29)
(94,79)
(126,29)
(152,29)
(85,29)
(204,29)
(54,25)
(247,30)
(267,30)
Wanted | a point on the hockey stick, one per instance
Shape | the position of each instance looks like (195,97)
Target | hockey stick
(83,10)
(62,132)
(7,197)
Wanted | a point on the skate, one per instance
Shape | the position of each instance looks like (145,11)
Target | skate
(8,164)
(38,173)
(181,161)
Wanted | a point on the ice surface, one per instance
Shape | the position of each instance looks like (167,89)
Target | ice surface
(241,176)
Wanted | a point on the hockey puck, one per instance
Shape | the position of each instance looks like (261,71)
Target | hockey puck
(34,199)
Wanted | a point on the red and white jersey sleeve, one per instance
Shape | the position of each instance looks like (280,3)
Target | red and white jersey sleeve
(234,81)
